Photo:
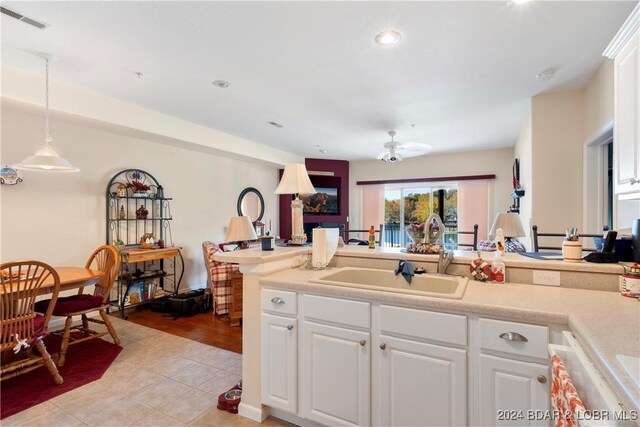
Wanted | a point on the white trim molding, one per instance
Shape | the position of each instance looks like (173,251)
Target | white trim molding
(625,33)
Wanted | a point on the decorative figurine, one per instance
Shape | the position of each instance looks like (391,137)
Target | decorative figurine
(500,241)
(480,270)
(141,212)
(121,190)
(122,214)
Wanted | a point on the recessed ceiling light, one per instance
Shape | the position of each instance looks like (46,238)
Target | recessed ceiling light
(388,37)
(221,83)
(547,74)
(276,124)
(520,1)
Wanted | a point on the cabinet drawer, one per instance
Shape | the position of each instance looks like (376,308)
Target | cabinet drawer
(519,339)
(277,301)
(334,310)
(429,325)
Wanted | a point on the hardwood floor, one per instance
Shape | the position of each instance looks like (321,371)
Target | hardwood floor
(204,327)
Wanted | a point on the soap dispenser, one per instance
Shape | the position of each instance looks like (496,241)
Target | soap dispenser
(498,269)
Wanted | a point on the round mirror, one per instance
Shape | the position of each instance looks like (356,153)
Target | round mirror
(251,204)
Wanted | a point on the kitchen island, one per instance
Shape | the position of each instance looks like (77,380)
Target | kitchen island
(604,322)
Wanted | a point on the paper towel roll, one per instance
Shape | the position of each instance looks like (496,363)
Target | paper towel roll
(319,249)
(331,243)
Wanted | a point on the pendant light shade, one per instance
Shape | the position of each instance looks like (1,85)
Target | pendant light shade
(46,159)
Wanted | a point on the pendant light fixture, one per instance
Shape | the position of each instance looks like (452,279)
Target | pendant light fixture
(46,159)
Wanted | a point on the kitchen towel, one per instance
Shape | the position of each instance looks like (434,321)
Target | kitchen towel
(406,269)
(564,396)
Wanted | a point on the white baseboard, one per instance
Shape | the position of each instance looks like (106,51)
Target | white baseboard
(251,412)
(291,418)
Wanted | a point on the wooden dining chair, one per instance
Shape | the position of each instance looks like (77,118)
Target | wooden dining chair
(536,234)
(106,259)
(19,322)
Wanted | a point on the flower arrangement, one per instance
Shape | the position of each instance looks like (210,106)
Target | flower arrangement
(139,186)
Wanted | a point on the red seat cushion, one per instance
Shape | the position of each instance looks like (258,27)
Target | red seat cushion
(66,305)
(38,322)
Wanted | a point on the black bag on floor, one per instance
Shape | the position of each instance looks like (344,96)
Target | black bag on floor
(192,302)
(161,305)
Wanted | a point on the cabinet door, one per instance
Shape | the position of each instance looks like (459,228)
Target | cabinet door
(509,389)
(419,384)
(335,375)
(279,362)
(626,128)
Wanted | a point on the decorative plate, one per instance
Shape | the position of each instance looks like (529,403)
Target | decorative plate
(10,176)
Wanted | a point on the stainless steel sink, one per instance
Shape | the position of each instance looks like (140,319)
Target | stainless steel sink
(432,285)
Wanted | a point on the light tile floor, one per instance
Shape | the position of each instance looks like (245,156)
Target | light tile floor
(158,379)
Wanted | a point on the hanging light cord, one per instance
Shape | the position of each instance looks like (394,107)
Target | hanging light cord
(47,137)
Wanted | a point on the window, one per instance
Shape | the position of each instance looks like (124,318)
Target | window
(405,205)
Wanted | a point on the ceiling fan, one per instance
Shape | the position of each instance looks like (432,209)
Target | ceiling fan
(395,151)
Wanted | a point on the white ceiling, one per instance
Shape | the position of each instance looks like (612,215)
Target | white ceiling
(462,72)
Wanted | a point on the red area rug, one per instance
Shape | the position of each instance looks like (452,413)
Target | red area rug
(86,362)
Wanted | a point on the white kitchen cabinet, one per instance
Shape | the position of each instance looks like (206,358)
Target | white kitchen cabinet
(336,375)
(419,384)
(279,362)
(624,50)
(510,389)
(627,117)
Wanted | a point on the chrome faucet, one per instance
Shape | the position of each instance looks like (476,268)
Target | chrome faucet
(444,259)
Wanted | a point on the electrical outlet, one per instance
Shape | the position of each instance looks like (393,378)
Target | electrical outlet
(546,277)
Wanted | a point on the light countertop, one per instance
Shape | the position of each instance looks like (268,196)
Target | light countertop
(605,323)
(465,257)
(257,256)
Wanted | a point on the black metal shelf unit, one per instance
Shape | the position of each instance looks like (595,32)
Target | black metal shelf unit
(136,206)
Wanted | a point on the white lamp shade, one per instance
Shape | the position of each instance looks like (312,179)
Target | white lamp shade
(510,224)
(295,180)
(48,160)
(240,229)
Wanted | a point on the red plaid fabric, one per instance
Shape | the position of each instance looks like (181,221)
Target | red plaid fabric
(564,397)
(219,278)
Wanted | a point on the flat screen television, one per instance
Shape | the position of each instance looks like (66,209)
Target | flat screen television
(325,201)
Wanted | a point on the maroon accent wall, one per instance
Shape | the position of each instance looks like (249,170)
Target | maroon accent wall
(340,169)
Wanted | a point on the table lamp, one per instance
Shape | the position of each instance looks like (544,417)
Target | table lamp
(240,230)
(511,227)
(295,180)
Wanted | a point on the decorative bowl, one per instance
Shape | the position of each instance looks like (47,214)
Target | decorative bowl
(415,232)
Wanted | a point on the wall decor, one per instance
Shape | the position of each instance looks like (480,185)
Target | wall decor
(10,176)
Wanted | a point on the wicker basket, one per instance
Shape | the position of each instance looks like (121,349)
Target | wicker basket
(143,241)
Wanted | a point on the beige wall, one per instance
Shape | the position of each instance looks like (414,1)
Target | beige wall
(523,152)
(557,128)
(551,149)
(496,162)
(60,218)
(598,99)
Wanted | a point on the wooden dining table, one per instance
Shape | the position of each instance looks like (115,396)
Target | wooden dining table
(71,278)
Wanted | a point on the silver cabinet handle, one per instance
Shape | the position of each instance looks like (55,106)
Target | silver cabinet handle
(634,180)
(289,327)
(513,336)
(542,379)
(383,346)
(363,342)
(277,300)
